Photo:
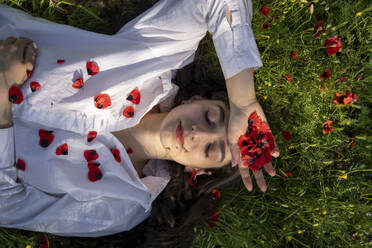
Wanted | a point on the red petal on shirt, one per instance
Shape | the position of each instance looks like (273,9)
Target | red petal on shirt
(34,86)
(90,155)
(78,84)
(91,136)
(29,73)
(116,154)
(15,95)
(60,61)
(129,150)
(62,149)
(94,174)
(134,96)
(92,68)
(102,101)
(46,137)
(128,111)
(93,164)
(21,164)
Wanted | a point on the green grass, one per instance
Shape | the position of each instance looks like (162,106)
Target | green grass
(318,206)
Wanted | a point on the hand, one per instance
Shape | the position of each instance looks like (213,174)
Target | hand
(17,56)
(238,125)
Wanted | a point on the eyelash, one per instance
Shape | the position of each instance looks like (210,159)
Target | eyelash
(207,149)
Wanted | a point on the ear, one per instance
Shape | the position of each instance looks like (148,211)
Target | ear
(193,98)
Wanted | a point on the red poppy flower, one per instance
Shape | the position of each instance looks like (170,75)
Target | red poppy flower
(288,77)
(266,25)
(341,79)
(216,194)
(287,174)
(287,135)
(213,220)
(322,87)
(21,165)
(15,95)
(90,155)
(319,33)
(129,150)
(92,68)
(319,24)
(326,73)
(44,243)
(352,142)
(294,54)
(327,127)
(29,73)
(102,101)
(93,164)
(62,149)
(128,111)
(257,144)
(60,61)
(34,86)
(192,179)
(344,99)
(116,154)
(78,84)
(94,174)
(46,137)
(91,136)
(264,11)
(134,96)
(333,45)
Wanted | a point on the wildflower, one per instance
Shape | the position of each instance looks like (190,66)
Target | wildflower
(344,99)
(359,13)
(352,142)
(326,73)
(264,11)
(286,135)
(287,174)
(319,24)
(294,54)
(288,77)
(327,127)
(322,87)
(324,212)
(341,79)
(300,231)
(333,45)
(343,176)
(266,25)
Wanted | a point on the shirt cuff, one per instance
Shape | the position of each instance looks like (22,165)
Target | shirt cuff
(237,50)
(6,147)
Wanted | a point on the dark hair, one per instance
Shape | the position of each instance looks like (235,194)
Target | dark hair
(180,207)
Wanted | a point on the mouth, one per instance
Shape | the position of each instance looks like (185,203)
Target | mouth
(179,134)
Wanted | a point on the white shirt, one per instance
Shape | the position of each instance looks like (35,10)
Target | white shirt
(55,194)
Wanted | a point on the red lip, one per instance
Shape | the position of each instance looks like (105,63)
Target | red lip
(179,134)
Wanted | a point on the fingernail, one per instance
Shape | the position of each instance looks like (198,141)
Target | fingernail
(34,45)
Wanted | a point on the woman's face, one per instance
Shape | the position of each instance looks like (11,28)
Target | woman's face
(202,124)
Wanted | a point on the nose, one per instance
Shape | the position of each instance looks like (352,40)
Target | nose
(198,133)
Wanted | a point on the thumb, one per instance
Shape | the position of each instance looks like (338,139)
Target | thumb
(235,154)
(275,152)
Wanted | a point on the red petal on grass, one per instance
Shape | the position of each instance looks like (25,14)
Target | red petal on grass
(287,135)
(287,174)
(294,54)
(288,77)
(327,127)
(128,112)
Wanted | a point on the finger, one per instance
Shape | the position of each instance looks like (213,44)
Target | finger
(260,180)
(245,175)
(22,45)
(275,152)
(30,57)
(235,153)
(269,169)
(9,41)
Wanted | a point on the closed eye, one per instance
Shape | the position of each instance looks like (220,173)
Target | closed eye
(207,149)
(207,119)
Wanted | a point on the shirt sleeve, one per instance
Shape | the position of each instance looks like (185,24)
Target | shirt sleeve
(235,46)
(24,206)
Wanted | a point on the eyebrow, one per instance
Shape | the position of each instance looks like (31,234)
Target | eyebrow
(222,146)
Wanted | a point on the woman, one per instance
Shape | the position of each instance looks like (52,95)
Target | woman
(86,84)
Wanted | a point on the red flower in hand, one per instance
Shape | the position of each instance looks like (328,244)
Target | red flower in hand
(327,127)
(333,45)
(264,11)
(15,95)
(257,143)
